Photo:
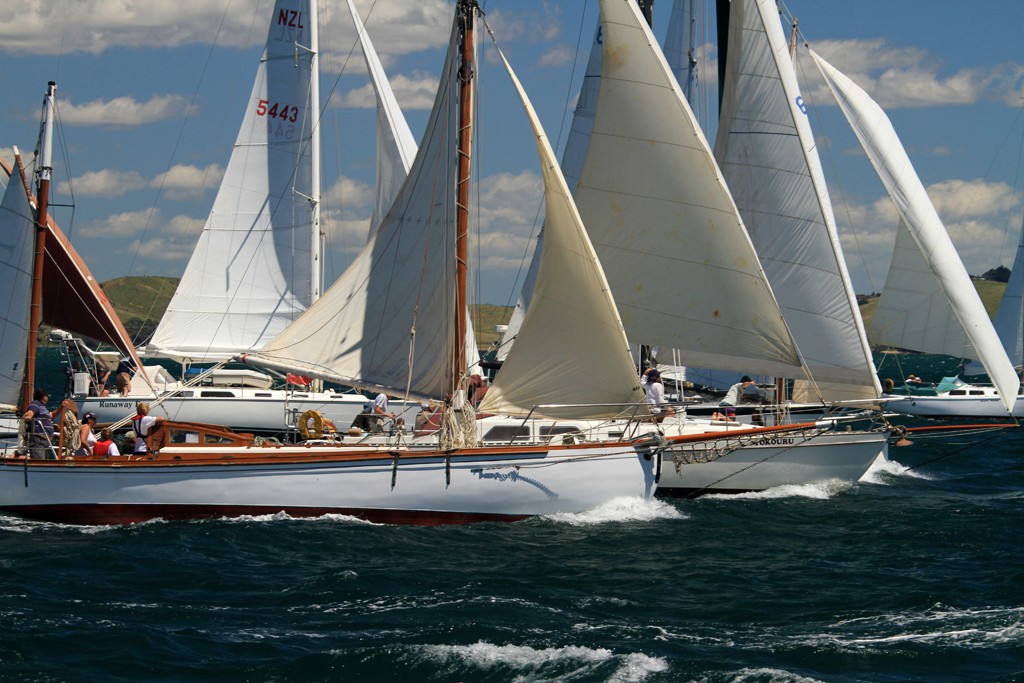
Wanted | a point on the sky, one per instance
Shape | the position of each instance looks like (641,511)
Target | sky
(150,96)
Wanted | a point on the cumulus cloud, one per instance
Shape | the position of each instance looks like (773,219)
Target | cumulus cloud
(106,183)
(412,92)
(123,111)
(982,219)
(185,181)
(902,77)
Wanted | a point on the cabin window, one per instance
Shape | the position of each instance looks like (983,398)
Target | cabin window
(977,392)
(262,394)
(958,392)
(212,438)
(300,395)
(183,436)
(508,433)
(558,429)
(186,394)
(217,394)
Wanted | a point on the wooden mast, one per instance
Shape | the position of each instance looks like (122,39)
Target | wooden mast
(42,194)
(464,10)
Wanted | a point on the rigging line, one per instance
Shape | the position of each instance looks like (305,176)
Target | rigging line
(174,149)
(825,145)
(995,435)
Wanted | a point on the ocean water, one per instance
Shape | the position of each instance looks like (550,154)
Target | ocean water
(916,573)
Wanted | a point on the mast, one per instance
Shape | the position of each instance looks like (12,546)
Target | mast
(465,9)
(43,172)
(792,40)
(316,272)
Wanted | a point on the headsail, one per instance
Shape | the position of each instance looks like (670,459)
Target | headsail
(770,160)
(884,149)
(16,245)
(571,348)
(1009,321)
(252,271)
(670,238)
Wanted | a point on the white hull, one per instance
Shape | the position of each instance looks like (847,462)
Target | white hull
(773,460)
(241,409)
(976,402)
(416,487)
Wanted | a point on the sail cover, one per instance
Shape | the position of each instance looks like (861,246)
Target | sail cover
(670,238)
(251,273)
(571,355)
(884,149)
(769,159)
(387,322)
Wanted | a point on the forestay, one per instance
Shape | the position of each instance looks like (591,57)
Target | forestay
(884,149)
(770,161)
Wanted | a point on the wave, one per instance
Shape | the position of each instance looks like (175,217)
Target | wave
(620,510)
(883,471)
(822,490)
(522,662)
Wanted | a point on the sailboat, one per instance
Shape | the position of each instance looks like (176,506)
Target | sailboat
(257,263)
(683,268)
(45,280)
(929,303)
(196,471)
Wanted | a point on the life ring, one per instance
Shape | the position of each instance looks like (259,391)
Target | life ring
(311,425)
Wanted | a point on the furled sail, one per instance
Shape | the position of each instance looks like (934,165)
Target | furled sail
(396,147)
(884,149)
(387,322)
(252,271)
(571,353)
(769,158)
(679,261)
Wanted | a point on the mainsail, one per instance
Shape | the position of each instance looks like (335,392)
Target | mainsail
(917,213)
(679,261)
(769,158)
(256,267)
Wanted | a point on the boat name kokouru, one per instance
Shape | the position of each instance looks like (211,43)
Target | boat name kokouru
(775,441)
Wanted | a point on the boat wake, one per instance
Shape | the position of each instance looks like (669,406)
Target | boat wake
(521,662)
(884,471)
(620,510)
(821,490)
(764,675)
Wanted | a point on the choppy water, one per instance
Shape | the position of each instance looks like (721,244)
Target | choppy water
(911,575)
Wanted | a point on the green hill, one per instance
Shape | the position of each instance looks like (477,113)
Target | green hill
(141,301)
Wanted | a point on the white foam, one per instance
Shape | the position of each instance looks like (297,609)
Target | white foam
(284,516)
(883,470)
(822,490)
(628,509)
(530,662)
(765,675)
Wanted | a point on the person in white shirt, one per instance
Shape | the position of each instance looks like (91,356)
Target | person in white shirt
(651,383)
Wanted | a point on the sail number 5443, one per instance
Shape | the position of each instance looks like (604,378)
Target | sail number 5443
(278,111)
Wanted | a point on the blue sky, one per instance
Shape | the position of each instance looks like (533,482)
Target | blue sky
(150,96)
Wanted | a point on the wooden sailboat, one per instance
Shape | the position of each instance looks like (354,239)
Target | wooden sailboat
(194,471)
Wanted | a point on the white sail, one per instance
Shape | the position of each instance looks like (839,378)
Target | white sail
(572,163)
(16,256)
(396,147)
(670,238)
(1009,321)
(769,158)
(884,149)
(251,272)
(571,348)
(913,311)
(387,322)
